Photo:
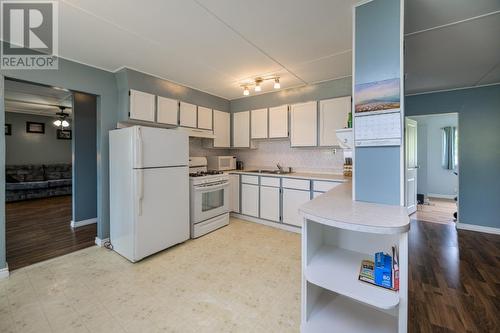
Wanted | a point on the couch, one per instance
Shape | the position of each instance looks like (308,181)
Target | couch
(24,182)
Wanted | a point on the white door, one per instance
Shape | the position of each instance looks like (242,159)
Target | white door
(411,165)
(234,193)
(270,203)
(162,213)
(187,115)
(204,118)
(168,111)
(259,124)
(222,129)
(159,147)
(303,124)
(250,200)
(278,122)
(142,106)
(333,114)
(241,129)
(292,200)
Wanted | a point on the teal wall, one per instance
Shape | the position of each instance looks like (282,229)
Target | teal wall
(479,147)
(84,157)
(2,175)
(33,148)
(313,92)
(377,57)
(127,79)
(77,77)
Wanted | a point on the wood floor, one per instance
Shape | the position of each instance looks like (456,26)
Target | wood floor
(437,211)
(454,283)
(38,230)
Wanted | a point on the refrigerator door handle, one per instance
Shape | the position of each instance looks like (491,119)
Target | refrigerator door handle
(138,149)
(140,191)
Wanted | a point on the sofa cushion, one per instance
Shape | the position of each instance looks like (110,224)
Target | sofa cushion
(57,171)
(59,182)
(26,186)
(36,173)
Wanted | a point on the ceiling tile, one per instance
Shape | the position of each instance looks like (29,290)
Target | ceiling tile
(425,14)
(493,76)
(452,57)
(328,68)
(291,31)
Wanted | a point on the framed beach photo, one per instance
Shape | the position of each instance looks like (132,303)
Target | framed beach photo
(34,127)
(63,134)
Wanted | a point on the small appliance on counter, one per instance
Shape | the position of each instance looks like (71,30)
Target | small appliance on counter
(240,165)
(221,163)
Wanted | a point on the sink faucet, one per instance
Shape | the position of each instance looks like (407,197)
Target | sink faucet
(280,168)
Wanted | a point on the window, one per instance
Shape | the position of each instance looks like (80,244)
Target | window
(450,148)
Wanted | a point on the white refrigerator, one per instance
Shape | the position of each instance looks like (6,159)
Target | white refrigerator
(149,190)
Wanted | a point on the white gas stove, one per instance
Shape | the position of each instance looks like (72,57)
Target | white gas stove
(209,198)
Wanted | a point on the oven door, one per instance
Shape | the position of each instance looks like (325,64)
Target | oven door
(209,200)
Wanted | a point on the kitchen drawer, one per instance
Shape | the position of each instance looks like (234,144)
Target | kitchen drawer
(270,181)
(298,184)
(323,186)
(247,179)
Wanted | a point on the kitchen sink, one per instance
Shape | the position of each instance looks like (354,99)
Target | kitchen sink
(272,172)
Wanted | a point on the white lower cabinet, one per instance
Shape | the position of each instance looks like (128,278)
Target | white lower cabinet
(270,203)
(292,200)
(250,200)
(234,193)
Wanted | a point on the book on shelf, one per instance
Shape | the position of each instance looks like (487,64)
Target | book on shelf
(383,271)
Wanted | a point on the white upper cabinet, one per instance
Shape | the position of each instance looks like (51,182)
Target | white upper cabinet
(187,115)
(303,124)
(222,129)
(278,122)
(168,111)
(333,114)
(259,124)
(204,118)
(241,129)
(142,106)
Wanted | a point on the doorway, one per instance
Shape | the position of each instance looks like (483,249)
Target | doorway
(431,167)
(50,136)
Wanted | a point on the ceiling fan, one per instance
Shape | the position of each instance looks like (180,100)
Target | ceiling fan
(61,120)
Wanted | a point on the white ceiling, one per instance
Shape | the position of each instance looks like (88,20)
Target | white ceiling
(451,44)
(21,97)
(215,45)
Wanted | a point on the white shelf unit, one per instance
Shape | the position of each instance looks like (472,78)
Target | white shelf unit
(332,294)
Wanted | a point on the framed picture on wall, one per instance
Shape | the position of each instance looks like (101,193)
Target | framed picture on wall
(64,134)
(8,129)
(33,127)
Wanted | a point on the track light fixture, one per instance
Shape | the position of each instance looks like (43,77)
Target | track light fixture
(257,84)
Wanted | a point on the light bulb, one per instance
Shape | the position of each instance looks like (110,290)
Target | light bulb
(277,84)
(57,122)
(246,92)
(65,123)
(257,87)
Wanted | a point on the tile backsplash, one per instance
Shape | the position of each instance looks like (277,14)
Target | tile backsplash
(268,153)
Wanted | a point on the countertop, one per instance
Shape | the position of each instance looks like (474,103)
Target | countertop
(299,175)
(337,209)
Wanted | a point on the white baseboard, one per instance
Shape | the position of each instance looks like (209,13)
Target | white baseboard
(441,196)
(4,272)
(268,223)
(100,242)
(478,228)
(83,222)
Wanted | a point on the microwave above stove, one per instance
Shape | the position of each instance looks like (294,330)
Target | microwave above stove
(221,163)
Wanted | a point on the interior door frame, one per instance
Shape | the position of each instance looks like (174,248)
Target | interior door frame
(406,141)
